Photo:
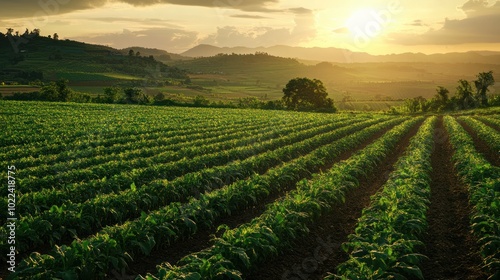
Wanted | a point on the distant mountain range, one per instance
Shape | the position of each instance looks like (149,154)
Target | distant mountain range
(338,55)
(160,55)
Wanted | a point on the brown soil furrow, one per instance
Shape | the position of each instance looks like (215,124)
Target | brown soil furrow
(482,146)
(494,126)
(202,239)
(449,244)
(313,256)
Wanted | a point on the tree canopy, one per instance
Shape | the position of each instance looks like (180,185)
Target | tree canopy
(464,97)
(306,94)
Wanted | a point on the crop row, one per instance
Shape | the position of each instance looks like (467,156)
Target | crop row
(115,247)
(71,219)
(43,123)
(108,165)
(387,234)
(239,250)
(483,181)
(489,135)
(160,168)
(95,145)
(103,132)
(490,120)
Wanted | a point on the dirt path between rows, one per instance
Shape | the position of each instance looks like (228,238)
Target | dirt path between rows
(449,244)
(482,146)
(202,239)
(494,126)
(318,253)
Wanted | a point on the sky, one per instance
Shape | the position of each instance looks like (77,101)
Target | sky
(376,26)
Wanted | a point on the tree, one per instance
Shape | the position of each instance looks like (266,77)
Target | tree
(441,100)
(200,101)
(63,90)
(304,93)
(111,94)
(49,92)
(464,95)
(484,80)
(131,52)
(136,96)
(56,36)
(138,54)
(159,97)
(417,104)
(442,94)
(132,95)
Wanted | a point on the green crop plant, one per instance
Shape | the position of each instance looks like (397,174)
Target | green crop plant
(239,249)
(172,222)
(483,182)
(386,239)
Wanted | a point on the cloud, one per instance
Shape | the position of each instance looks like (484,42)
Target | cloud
(38,9)
(231,36)
(482,25)
(173,40)
(341,30)
(475,8)
(417,22)
(137,22)
(244,5)
(28,8)
(300,11)
(248,16)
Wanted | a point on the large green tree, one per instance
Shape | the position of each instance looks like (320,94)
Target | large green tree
(464,95)
(484,80)
(304,93)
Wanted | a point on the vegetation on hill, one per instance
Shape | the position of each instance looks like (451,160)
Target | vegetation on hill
(30,57)
(224,80)
(465,96)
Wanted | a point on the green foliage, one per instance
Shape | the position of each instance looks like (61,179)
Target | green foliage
(483,82)
(285,220)
(464,97)
(201,101)
(111,248)
(136,96)
(386,237)
(306,94)
(111,94)
(483,180)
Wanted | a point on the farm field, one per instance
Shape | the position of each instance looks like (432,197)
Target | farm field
(144,192)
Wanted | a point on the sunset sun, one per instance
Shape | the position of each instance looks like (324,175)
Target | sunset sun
(360,21)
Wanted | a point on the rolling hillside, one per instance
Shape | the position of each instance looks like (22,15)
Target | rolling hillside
(42,58)
(339,55)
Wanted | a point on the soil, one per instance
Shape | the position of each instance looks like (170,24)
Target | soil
(482,146)
(318,253)
(202,239)
(496,127)
(449,244)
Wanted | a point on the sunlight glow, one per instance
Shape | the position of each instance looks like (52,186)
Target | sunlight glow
(366,21)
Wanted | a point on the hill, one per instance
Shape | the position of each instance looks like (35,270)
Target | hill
(263,76)
(43,58)
(338,55)
(244,73)
(160,55)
